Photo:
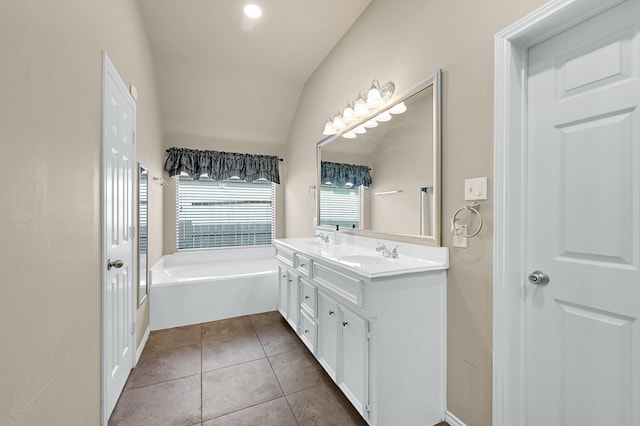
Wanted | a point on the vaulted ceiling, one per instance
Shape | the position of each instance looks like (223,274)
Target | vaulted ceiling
(223,76)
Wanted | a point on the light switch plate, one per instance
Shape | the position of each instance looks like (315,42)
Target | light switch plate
(475,189)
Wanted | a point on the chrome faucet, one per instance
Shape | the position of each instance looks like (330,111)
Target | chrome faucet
(386,252)
(323,237)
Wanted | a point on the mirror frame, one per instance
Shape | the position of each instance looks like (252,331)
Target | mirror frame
(434,80)
(143,267)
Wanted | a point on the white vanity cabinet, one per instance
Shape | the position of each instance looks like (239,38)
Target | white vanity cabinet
(378,331)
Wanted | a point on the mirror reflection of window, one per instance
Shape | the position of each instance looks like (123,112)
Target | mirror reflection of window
(341,206)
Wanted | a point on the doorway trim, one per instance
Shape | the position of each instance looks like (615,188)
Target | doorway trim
(510,182)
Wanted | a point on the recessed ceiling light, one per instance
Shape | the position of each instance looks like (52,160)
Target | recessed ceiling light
(252,11)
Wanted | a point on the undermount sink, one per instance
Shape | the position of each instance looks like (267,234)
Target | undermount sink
(363,259)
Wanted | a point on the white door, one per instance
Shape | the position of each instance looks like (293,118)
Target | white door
(118,306)
(582,334)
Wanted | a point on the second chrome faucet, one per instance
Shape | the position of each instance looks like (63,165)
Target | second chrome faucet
(382,248)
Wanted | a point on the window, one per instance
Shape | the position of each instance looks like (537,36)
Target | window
(229,213)
(341,206)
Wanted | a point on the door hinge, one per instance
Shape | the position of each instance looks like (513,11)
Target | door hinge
(368,335)
(367,408)
(132,231)
(133,327)
(134,138)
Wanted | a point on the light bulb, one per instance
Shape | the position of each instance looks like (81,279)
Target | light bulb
(385,116)
(328,128)
(374,99)
(360,108)
(371,124)
(349,135)
(398,108)
(338,124)
(360,130)
(252,11)
(347,115)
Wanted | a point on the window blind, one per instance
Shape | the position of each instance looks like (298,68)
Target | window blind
(224,213)
(341,206)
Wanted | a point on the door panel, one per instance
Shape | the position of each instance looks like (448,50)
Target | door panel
(583,224)
(119,296)
(328,334)
(283,283)
(354,359)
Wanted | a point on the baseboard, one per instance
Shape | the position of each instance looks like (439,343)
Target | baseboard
(143,342)
(453,420)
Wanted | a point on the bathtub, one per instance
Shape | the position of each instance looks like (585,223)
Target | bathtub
(193,287)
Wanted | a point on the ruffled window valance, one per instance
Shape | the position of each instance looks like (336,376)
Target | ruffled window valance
(340,174)
(222,165)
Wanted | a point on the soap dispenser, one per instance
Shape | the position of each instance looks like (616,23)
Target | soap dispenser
(337,236)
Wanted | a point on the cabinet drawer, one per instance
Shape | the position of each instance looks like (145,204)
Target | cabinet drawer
(308,299)
(308,331)
(345,286)
(303,264)
(285,256)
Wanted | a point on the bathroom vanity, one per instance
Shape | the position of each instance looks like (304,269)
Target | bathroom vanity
(376,324)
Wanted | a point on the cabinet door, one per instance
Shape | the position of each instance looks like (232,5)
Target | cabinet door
(327,350)
(283,290)
(293,307)
(354,359)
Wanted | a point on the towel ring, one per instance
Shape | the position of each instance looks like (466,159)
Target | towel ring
(472,208)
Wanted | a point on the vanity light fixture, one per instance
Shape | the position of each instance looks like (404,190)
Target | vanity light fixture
(377,96)
(398,108)
(252,11)
(360,130)
(360,107)
(385,116)
(347,115)
(370,124)
(328,128)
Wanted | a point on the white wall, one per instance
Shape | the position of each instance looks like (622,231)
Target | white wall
(404,41)
(50,250)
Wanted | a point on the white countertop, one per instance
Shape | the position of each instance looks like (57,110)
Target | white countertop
(359,255)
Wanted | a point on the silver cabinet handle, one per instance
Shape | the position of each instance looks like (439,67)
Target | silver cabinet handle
(345,323)
(306,331)
(302,265)
(115,264)
(331,312)
(306,298)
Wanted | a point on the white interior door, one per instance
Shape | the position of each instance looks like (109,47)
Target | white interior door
(118,239)
(582,335)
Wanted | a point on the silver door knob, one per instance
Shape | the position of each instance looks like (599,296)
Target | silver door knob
(115,264)
(538,278)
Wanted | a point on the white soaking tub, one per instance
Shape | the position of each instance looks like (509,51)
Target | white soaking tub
(193,287)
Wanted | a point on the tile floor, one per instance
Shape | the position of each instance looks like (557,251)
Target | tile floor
(250,370)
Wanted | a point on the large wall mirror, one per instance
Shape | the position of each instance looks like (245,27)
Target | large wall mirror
(403,158)
(143,233)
